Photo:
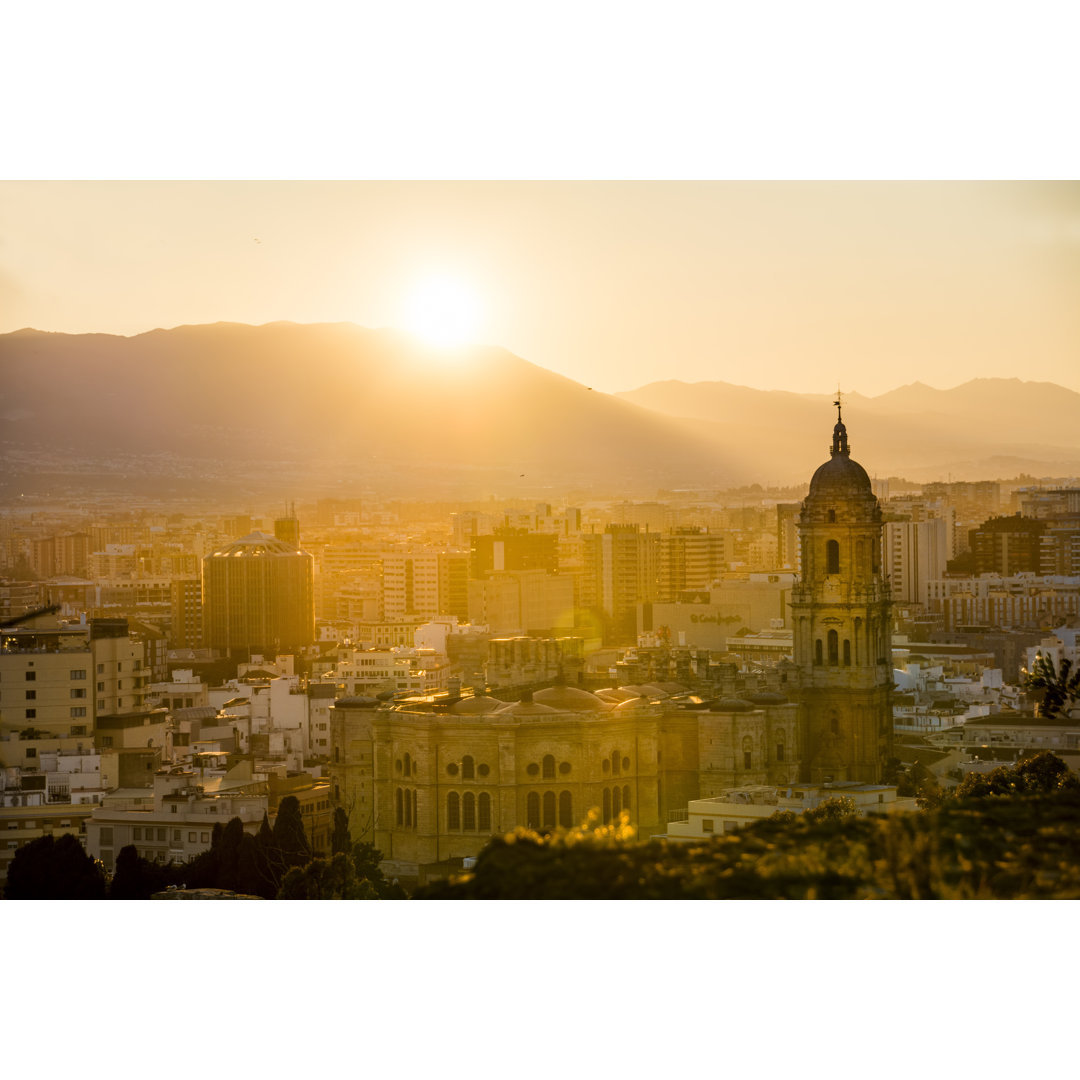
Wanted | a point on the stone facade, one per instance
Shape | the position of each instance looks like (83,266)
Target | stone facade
(434,779)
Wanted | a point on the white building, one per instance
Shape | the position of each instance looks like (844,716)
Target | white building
(738,807)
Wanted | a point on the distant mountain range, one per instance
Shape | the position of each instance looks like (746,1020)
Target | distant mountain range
(336,408)
(984,429)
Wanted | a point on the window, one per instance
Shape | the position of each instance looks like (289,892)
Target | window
(831,516)
(607,805)
(549,767)
(748,752)
(79,673)
(483,812)
(468,812)
(834,648)
(31,695)
(31,714)
(834,722)
(176,836)
(532,810)
(779,751)
(408,808)
(707,824)
(566,810)
(101,669)
(399,812)
(615,756)
(549,809)
(847,653)
(415,815)
(468,770)
(173,808)
(137,833)
(616,802)
(31,751)
(564,768)
(78,710)
(408,765)
(31,676)
(106,836)
(101,688)
(106,741)
(78,692)
(832,557)
(160,835)
(453,811)
(191,837)
(482,769)
(817,652)
(626,798)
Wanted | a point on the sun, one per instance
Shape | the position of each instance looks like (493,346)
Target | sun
(443,311)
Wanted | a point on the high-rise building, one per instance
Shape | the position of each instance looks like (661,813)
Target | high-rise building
(258,596)
(916,553)
(842,630)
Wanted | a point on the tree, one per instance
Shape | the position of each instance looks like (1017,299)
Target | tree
(340,841)
(839,809)
(289,836)
(1056,689)
(136,878)
(54,869)
(366,859)
(1045,772)
(320,879)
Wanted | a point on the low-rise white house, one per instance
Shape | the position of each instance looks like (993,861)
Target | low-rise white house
(738,807)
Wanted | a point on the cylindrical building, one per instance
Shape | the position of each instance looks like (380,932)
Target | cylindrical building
(258,596)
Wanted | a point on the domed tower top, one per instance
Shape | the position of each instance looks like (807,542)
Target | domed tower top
(841,488)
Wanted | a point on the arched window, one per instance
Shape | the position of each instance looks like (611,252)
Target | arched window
(484,812)
(549,809)
(834,648)
(817,652)
(453,811)
(747,752)
(468,812)
(847,652)
(566,810)
(548,766)
(399,815)
(415,816)
(408,765)
(408,808)
(832,557)
(615,756)
(626,798)
(468,769)
(337,753)
(779,749)
(616,802)
(607,805)
(532,810)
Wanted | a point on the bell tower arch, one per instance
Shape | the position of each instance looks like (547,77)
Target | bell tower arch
(841,611)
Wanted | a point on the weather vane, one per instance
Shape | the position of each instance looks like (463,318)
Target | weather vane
(837,402)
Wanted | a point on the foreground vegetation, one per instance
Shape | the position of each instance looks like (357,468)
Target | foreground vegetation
(1011,834)
(1014,834)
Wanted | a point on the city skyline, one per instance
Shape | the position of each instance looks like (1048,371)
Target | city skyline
(780,285)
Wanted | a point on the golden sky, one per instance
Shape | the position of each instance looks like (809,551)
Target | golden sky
(782,285)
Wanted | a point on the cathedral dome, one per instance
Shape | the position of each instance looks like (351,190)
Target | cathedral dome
(571,699)
(840,477)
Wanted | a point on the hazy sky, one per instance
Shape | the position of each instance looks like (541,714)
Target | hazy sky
(615,284)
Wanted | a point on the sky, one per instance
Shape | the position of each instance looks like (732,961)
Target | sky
(783,285)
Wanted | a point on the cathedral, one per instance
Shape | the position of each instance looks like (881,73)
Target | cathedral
(432,778)
(840,612)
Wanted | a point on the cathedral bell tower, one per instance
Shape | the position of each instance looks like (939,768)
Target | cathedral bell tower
(843,634)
